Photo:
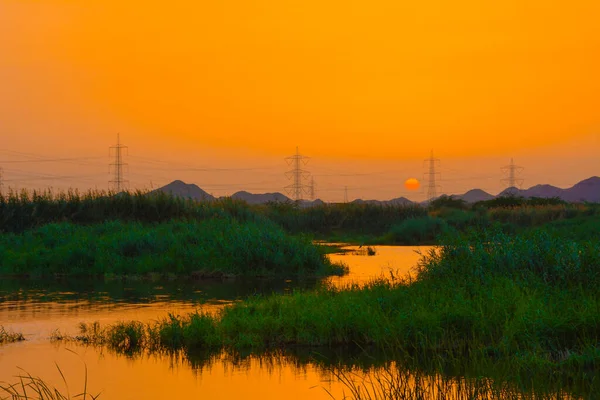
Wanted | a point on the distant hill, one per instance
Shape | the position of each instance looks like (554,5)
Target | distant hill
(586,190)
(261,198)
(475,195)
(181,189)
(402,201)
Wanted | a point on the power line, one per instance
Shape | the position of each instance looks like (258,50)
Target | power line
(312,188)
(432,176)
(42,160)
(117,166)
(512,171)
(190,167)
(297,174)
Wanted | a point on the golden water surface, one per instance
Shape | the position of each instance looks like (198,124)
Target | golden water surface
(37,312)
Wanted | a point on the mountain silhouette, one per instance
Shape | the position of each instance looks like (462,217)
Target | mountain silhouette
(475,195)
(586,190)
(181,189)
(262,198)
(402,201)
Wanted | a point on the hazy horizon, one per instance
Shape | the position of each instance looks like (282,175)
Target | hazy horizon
(218,94)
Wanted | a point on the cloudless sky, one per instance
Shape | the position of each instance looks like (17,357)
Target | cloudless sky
(218,93)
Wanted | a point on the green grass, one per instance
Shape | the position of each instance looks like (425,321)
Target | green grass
(349,222)
(27,210)
(10,337)
(530,301)
(338,220)
(213,247)
(414,231)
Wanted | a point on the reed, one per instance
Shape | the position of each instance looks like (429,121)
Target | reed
(10,337)
(529,300)
(29,387)
(215,247)
(21,211)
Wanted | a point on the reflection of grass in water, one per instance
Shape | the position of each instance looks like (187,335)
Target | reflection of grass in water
(395,383)
(10,337)
(529,301)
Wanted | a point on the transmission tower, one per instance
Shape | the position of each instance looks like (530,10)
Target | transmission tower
(512,173)
(298,175)
(432,176)
(117,183)
(312,188)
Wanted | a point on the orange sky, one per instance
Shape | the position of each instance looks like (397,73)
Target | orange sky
(362,87)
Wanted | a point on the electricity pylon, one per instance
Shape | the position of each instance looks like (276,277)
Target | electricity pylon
(432,176)
(512,171)
(117,183)
(312,188)
(298,175)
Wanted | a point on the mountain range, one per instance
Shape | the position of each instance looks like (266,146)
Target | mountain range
(586,190)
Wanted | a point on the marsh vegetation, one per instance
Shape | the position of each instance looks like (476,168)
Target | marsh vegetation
(10,337)
(510,291)
(528,301)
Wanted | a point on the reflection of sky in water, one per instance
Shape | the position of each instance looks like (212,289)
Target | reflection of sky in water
(38,308)
(399,260)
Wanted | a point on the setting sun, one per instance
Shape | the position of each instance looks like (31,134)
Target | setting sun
(412,184)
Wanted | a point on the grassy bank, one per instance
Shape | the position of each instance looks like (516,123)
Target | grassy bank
(412,225)
(530,301)
(331,220)
(207,248)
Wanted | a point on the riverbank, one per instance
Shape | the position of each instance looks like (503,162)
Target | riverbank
(213,247)
(529,301)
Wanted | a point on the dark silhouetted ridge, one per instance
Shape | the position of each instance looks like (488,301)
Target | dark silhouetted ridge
(475,195)
(260,198)
(188,190)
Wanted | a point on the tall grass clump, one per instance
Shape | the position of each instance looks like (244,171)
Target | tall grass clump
(346,218)
(21,211)
(413,231)
(528,259)
(29,387)
(213,247)
(10,337)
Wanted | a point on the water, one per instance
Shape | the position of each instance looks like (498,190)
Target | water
(37,308)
